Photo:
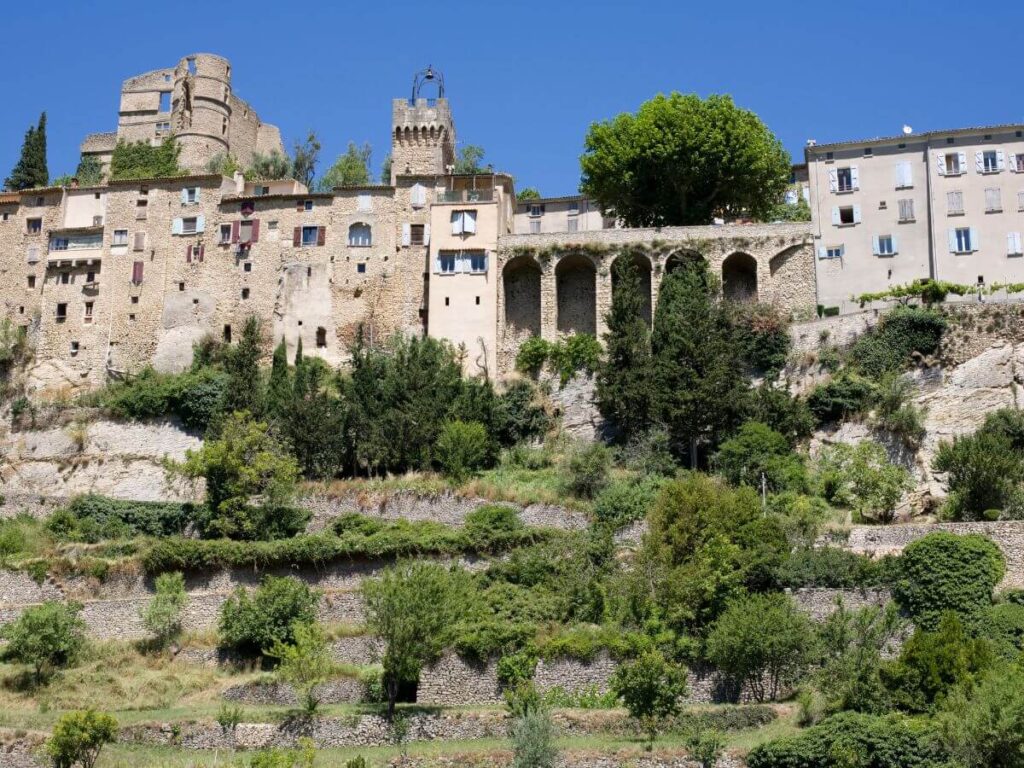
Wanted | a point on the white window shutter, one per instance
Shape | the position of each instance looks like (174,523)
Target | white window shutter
(426,234)
(406,234)
(842,250)
(979,161)
(1017,249)
(856,214)
(974,239)
(1013,163)
(822,252)
(176,226)
(875,247)
(895,244)
(184,196)
(835,215)
(963,162)
(855,176)
(940,163)
(1011,241)
(1000,160)
(908,174)
(833,180)
(470,219)
(456,222)
(200,223)
(952,240)
(419,195)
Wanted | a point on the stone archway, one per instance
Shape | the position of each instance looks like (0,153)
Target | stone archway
(521,279)
(642,264)
(576,292)
(680,259)
(739,277)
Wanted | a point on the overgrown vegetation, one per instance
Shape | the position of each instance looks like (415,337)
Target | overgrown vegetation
(142,160)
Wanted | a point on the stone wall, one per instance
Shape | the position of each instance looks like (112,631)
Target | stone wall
(819,604)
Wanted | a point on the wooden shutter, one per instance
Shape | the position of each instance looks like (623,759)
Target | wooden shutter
(255,231)
(951,235)
(979,161)
(140,241)
(188,254)
(974,239)
(200,224)
(835,215)
(895,244)
(300,206)
(822,252)
(202,252)
(963,161)
(856,214)
(297,237)
(940,163)
(1013,163)
(184,196)
(137,272)
(321,235)
(177,226)
(236,227)
(1000,160)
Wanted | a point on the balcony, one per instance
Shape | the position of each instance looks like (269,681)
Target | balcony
(465,196)
(75,247)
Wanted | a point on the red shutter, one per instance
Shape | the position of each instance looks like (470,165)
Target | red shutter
(297,237)
(202,252)
(255,231)
(137,272)
(188,254)
(235,226)
(321,235)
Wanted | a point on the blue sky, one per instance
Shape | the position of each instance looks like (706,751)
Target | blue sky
(525,79)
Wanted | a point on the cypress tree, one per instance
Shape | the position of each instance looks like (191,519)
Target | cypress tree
(699,385)
(301,384)
(279,389)
(624,379)
(242,365)
(31,170)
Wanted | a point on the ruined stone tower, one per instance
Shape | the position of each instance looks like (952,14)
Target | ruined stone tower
(422,131)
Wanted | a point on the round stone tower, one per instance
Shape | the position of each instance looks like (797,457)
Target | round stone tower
(422,131)
(201,108)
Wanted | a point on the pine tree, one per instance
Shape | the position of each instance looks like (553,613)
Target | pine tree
(242,365)
(31,170)
(279,389)
(624,379)
(301,383)
(698,379)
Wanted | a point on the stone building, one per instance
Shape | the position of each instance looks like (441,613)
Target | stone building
(573,213)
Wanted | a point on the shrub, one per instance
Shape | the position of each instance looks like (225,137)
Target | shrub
(45,637)
(863,477)
(944,572)
(588,470)
(93,518)
(787,415)
(984,728)
(840,398)
(575,353)
(650,453)
(142,160)
(624,501)
(532,355)
(984,475)
(650,687)
(520,416)
(162,616)
(894,413)
(851,739)
(492,523)
(533,737)
(196,397)
(78,738)
(304,663)
(763,335)
(757,451)
(831,568)
(462,449)
(1003,626)
(762,642)
(903,331)
(253,622)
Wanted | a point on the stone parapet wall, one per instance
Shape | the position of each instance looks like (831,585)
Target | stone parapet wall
(343,690)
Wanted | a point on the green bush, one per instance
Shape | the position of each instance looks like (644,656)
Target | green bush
(575,353)
(944,572)
(784,413)
(763,335)
(1003,626)
(984,728)
(463,448)
(143,160)
(851,739)
(253,622)
(492,524)
(903,331)
(757,451)
(840,398)
(984,476)
(625,501)
(863,477)
(78,738)
(162,616)
(93,518)
(196,397)
(485,638)
(521,416)
(532,355)
(45,637)
(533,740)
(832,568)
(588,470)
(650,688)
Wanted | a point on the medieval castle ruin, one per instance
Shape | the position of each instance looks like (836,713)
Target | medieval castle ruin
(113,278)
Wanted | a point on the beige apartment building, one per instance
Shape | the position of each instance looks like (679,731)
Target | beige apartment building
(553,215)
(947,205)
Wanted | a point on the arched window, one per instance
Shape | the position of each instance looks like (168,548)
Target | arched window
(359,236)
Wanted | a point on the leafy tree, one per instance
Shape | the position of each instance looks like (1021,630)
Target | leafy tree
(944,572)
(45,637)
(412,608)
(255,622)
(462,448)
(841,397)
(385,169)
(651,688)
(862,476)
(351,168)
(141,160)
(250,481)
(316,425)
(588,470)
(762,333)
(162,616)
(279,388)
(783,211)
(1003,626)
(784,413)
(699,386)
(528,193)
(984,473)
(533,736)
(902,332)
(268,167)
(469,159)
(304,157)
(763,642)
(241,362)
(624,394)
(984,727)
(758,451)
(31,171)
(78,738)
(223,163)
(721,161)
(304,663)
(90,171)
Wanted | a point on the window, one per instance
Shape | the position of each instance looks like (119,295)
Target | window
(189,225)
(59,244)
(477,301)
(904,175)
(135,299)
(225,234)
(40,201)
(844,179)
(165,101)
(574,208)
(989,161)
(574,224)
(310,235)
(846,215)
(272,225)
(90,277)
(120,237)
(62,311)
(163,127)
(447,301)
(416,234)
(961,240)
(831,252)
(868,151)
(181,286)
(885,245)
(307,205)
(954,203)
(190,195)
(245,229)
(140,241)
(361,268)
(131,317)
(952,164)
(1013,244)
(74,347)
(247,266)
(360,236)
(830,156)
(88,313)
(463,222)
(1018,163)
(195,252)
(477,263)
(31,281)
(245,293)
(34,226)
(141,209)
(65,278)
(535,227)
(993,200)
(321,338)
(226,334)
(536,210)
(1020,201)
(137,268)
(418,195)
(446,263)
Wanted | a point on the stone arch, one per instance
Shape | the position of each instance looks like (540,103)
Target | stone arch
(521,279)
(360,234)
(739,277)
(779,260)
(576,292)
(682,258)
(643,267)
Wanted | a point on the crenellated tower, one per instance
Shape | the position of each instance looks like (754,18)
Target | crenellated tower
(422,131)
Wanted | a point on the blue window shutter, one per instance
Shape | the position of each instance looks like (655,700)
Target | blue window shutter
(952,240)
(184,196)
(198,191)
(176,226)
(875,245)
(895,244)
(822,252)
(974,239)
(855,176)
(201,223)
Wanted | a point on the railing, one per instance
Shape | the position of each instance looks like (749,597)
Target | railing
(76,243)
(465,196)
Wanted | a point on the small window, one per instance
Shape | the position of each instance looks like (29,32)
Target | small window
(247,266)
(141,209)
(272,225)
(990,161)
(120,237)
(993,200)
(310,235)
(59,244)
(478,301)
(225,234)
(953,164)
(88,312)
(34,226)
(181,286)
(463,222)
(307,205)
(535,227)
(834,252)
(447,301)
(188,225)
(74,347)
(574,208)
(950,140)
(227,334)
(573,224)
(165,101)
(360,236)
(135,299)
(245,293)
(846,215)
(65,278)
(321,338)
(162,128)
(140,241)
(536,210)
(90,277)
(245,229)
(868,151)
(477,263)
(40,201)
(885,245)
(830,156)
(446,263)
(190,195)
(416,233)
(62,311)
(963,242)
(361,267)
(955,203)
(31,281)
(844,179)
(131,317)
(906,210)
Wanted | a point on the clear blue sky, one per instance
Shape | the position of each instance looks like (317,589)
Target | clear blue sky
(525,78)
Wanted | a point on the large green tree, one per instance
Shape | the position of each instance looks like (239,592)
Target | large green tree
(31,170)
(304,158)
(351,168)
(624,391)
(698,379)
(682,159)
(469,159)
